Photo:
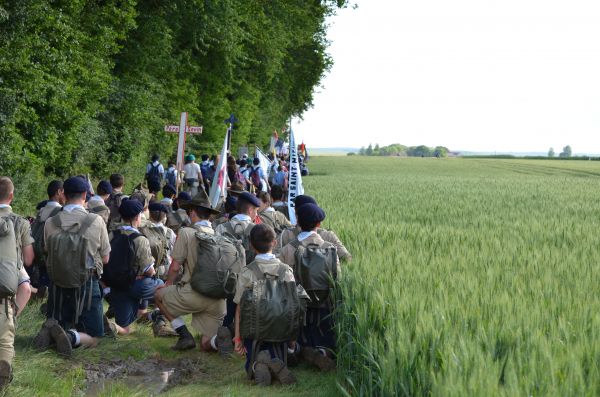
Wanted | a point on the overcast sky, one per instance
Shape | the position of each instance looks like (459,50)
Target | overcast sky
(480,75)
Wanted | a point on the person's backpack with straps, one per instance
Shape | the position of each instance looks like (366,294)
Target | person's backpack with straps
(241,231)
(315,270)
(159,244)
(272,309)
(120,271)
(37,232)
(68,253)
(220,259)
(9,259)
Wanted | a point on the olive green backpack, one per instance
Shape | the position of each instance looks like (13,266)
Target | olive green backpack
(158,243)
(9,259)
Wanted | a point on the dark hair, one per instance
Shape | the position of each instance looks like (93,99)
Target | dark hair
(75,195)
(171,163)
(203,213)
(279,168)
(256,161)
(117,180)
(54,187)
(100,190)
(168,191)
(242,206)
(265,198)
(277,192)
(307,226)
(262,237)
(204,157)
(155,157)
(243,163)
(157,216)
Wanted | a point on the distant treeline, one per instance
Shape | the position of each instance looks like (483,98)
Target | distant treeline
(510,156)
(397,149)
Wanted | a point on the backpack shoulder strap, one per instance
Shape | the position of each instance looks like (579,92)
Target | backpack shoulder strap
(87,222)
(295,243)
(256,270)
(55,211)
(281,270)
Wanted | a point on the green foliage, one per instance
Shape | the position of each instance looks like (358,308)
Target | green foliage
(567,152)
(483,282)
(86,87)
(397,149)
(551,152)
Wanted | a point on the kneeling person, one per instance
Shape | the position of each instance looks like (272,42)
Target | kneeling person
(130,271)
(263,359)
(177,300)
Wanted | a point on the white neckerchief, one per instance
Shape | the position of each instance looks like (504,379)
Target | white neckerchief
(167,201)
(72,207)
(242,218)
(266,257)
(97,198)
(129,228)
(304,235)
(204,223)
(269,209)
(278,203)
(155,163)
(52,203)
(5,206)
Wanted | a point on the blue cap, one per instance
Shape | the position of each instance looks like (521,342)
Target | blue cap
(157,207)
(250,198)
(310,213)
(75,184)
(106,186)
(304,199)
(169,190)
(130,208)
(184,196)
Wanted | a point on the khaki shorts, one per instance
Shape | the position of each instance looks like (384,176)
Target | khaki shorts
(7,333)
(207,314)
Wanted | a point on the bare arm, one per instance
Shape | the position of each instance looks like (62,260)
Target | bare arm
(28,255)
(173,272)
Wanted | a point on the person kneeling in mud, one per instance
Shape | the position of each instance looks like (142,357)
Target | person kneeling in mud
(175,300)
(266,353)
(130,272)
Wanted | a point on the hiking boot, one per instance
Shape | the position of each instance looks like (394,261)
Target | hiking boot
(63,341)
(224,342)
(186,340)
(281,372)
(315,357)
(110,327)
(262,374)
(162,329)
(43,339)
(5,374)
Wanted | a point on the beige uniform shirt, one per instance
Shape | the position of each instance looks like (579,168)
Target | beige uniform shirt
(96,234)
(288,253)
(222,228)
(274,218)
(46,210)
(23,236)
(267,264)
(185,251)
(290,235)
(98,207)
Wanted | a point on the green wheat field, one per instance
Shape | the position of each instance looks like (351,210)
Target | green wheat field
(471,277)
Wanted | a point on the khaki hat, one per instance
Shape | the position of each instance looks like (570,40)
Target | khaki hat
(199,200)
(236,188)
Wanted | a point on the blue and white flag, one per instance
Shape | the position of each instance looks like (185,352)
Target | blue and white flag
(218,190)
(265,165)
(294,178)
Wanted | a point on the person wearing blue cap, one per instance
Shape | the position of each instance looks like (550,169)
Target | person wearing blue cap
(76,231)
(130,277)
(230,211)
(291,233)
(317,339)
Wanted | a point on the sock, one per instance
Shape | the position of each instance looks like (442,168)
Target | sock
(213,342)
(177,323)
(106,291)
(322,351)
(74,336)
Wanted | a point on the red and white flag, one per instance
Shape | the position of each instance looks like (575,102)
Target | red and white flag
(218,190)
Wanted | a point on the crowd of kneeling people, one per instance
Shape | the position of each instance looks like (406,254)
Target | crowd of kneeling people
(252,283)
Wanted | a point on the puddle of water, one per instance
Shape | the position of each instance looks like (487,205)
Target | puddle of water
(148,377)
